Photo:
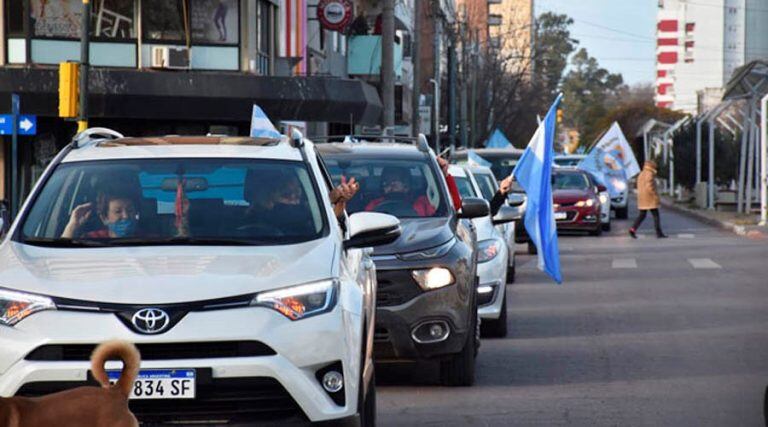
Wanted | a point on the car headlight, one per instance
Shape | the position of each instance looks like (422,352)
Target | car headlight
(433,278)
(588,203)
(619,185)
(488,249)
(603,199)
(15,306)
(300,302)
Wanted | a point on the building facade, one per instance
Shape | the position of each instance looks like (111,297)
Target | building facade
(511,29)
(701,42)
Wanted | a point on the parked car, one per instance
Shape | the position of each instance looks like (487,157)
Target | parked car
(503,160)
(426,299)
(576,201)
(492,258)
(619,199)
(488,185)
(219,256)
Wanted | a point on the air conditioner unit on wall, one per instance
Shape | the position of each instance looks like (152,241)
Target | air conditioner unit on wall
(173,57)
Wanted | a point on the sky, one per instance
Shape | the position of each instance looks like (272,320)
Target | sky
(619,33)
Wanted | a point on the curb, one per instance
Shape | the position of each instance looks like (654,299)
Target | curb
(751,231)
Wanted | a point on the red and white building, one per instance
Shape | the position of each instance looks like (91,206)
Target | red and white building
(699,43)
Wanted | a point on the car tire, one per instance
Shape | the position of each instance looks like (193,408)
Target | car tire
(511,270)
(459,369)
(597,231)
(497,328)
(622,213)
(532,248)
(367,409)
(607,227)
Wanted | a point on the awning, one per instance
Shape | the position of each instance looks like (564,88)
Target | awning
(199,95)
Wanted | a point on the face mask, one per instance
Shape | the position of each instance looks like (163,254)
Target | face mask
(122,228)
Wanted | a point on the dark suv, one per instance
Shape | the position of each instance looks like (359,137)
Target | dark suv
(427,299)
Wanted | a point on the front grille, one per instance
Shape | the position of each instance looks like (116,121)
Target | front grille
(395,287)
(161,351)
(223,400)
(381,334)
(569,216)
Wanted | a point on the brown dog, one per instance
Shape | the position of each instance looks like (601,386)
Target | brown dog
(83,406)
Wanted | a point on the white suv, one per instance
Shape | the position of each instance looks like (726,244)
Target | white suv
(221,257)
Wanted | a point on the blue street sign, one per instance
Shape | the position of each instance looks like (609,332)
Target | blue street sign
(26,125)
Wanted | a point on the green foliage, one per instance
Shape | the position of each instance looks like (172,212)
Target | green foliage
(554,44)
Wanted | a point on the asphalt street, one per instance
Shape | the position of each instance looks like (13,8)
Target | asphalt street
(642,332)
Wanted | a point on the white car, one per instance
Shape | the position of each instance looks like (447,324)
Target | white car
(492,259)
(220,257)
(618,201)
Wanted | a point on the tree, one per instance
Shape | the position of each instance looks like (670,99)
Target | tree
(553,46)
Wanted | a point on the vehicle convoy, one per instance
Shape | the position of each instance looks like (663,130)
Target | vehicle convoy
(503,160)
(576,201)
(618,184)
(220,257)
(426,298)
(493,258)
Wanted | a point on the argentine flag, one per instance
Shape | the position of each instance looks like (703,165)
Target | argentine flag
(475,159)
(534,173)
(261,127)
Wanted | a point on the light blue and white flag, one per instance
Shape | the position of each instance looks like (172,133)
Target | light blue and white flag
(261,127)
(534,173)
(475,159)
(498,140)
(607,169)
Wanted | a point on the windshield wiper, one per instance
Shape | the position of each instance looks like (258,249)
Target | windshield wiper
(181,241)
(60,242)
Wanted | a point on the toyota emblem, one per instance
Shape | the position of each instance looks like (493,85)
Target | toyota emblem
(151,320)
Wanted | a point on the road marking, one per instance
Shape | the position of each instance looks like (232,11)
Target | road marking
(686,236)
(642,236)
(624,263)
(704,263)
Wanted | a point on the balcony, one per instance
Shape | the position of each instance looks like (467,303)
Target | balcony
(364,57)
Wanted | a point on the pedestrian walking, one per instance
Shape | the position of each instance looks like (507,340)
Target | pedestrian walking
(647,199)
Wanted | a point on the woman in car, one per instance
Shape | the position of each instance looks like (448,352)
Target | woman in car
(116,211)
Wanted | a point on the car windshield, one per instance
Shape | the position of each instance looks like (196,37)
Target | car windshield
(464,186)
(569,181)
(485,182)
(403,188)
(176,201)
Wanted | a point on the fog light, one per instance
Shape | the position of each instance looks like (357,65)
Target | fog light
(436,331)
(333,381)
(485,289)
(431,332)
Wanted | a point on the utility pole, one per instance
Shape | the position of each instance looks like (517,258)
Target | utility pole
(416,59)
(452,90)
(85,41)
(436,78)
(463,120)
(473,97)
(387,66)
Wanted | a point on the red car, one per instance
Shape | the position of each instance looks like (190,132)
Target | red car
(577,203)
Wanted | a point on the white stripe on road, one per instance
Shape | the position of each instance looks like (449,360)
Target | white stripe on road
(624,263)
(704,263)
(686,236)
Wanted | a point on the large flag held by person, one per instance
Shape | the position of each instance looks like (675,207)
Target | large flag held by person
(614,143)
(534,173)
(261,127)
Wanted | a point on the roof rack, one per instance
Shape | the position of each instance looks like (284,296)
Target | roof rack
(91,135)
(419,141)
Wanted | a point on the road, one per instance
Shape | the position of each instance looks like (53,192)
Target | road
(642,332)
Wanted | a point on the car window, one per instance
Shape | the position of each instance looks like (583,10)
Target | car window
(566,161)
(570,181)
(150,201)
(464,186)
(403,188)
(503,165)
(486,184)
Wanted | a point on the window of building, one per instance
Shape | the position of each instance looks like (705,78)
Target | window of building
(215,21)
(164,20)
(56,19)
(265,17)
(14,18)
(114,19)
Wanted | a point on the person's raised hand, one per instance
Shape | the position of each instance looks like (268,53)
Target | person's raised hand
(505,185)
(443,165)
(81,214)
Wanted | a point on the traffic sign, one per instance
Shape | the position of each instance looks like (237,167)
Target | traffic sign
(26,125)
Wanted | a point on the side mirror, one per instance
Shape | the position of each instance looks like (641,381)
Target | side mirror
(506,214)
(601,188)
(368,229)
(473,207)
(516,199)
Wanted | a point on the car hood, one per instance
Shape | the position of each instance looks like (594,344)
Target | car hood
(419,234)
(161,274)
(570,196)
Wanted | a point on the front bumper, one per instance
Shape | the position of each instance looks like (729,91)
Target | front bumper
(289,374)
(577,219)
(620,201)
(492,274)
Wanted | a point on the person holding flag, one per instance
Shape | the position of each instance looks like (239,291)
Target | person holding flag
(534,173)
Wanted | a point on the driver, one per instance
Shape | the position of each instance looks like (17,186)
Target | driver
(116,210)
(396,187)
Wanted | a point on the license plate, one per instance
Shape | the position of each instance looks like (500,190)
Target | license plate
(561,215)
(161,383)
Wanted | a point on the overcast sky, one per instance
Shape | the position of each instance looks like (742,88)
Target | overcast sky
(619,33)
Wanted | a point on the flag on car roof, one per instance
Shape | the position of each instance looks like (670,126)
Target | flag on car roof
(261,127)
(475,159)
(534,173)
(607,169)
(498,140)
(614,143)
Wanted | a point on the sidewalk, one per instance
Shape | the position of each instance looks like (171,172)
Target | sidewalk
(743,225)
